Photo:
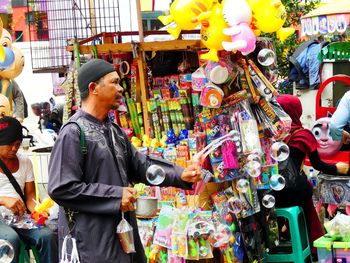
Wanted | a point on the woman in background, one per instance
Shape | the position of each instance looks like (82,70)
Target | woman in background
(301,144)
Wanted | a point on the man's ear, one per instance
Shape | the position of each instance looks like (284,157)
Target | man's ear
(92,88)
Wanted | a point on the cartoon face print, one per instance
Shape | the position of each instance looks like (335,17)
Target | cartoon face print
(326,145)
(337,192)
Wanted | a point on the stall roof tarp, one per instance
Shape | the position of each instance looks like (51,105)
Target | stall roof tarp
(332,7)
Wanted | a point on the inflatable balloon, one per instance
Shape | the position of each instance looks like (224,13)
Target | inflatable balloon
(184,13)
(269,16)
(7,56)
(326,146)
(212,26)
(5,109)
(14,69)
(242,36)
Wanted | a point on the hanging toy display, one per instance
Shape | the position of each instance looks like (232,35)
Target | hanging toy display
(211,96)
(239,19)
(184,13)
(212,28)
(269,17)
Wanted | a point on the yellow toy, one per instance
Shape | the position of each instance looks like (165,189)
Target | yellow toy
(146,141)
(212,36)
(184,13)
(5,109)
(45,205)
(155,143)
(163,141)
(136,141)
(269,16)
(41,211)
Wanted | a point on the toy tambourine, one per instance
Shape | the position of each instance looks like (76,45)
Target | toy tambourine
(211,96)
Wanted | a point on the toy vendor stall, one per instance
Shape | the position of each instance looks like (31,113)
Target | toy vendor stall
(214,107)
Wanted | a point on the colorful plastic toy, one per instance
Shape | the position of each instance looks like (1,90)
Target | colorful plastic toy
(212,26)
(184,13)
(242,36)
(269,16)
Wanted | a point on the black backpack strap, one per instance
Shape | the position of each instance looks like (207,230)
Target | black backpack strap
(70,214)
(13,181)
(83,147)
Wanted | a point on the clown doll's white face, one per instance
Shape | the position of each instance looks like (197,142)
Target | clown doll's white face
(5,109)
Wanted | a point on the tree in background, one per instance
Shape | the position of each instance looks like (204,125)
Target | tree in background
(295,10)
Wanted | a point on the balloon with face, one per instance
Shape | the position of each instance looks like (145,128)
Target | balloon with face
(326,145)
(212,35)
(5,109)
(184,13)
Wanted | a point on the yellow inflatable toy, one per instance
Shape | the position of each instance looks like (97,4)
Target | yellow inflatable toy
(212,36)
(269,16)
(184,13)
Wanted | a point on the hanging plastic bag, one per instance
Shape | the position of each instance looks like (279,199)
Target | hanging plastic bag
(126,235)
(74,256)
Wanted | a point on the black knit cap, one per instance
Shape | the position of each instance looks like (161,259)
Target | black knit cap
(10,130)
(92,71)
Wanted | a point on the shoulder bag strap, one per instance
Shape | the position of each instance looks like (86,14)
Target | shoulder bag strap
(13,181)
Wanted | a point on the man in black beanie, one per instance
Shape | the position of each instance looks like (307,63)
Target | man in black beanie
(21,169)
(95,186)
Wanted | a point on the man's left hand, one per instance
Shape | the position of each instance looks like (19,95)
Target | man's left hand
(192,173)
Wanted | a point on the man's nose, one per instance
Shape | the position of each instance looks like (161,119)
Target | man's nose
(120,88)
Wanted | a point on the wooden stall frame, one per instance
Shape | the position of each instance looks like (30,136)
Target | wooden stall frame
(109,47)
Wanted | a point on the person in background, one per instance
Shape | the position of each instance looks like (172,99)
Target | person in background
(302,144)
(96,186)
(21,168)
(340,120)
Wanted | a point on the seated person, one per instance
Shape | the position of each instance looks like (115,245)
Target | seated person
(21,168)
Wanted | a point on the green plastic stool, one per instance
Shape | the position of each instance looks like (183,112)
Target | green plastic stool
(24,253)
(299,249)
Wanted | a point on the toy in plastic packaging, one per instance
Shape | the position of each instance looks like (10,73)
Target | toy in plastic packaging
(179,245)
(162,235)
(126,235)
(211,96)
(198,79)
(23,222)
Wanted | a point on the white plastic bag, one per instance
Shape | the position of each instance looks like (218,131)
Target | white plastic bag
(74,256)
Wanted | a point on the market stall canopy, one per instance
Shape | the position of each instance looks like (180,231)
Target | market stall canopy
(329,18)
(329,8)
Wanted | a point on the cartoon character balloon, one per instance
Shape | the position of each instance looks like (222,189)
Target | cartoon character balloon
(212,26)
(238,15)
(5,109)
(326,146)
(14,69)
(269,16)
(184,13)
